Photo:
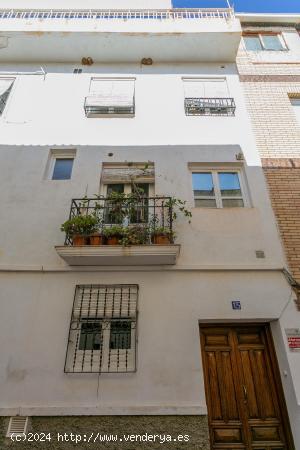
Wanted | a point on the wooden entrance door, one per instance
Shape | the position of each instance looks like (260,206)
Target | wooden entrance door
(246,407)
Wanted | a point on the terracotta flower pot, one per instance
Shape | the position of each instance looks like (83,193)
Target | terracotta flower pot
(96,239)
(161,239)
(113,240)
(78,240)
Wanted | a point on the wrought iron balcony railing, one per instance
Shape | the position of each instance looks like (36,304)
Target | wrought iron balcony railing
(95,107)
(123,14)
(209,106)
(146,216)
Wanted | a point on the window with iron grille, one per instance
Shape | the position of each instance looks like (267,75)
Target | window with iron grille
(102,335)
(207,97)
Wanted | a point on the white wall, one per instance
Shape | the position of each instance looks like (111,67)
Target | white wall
(43,114)
(50,110)
(36,312)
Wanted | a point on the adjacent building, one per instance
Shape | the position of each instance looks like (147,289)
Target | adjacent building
(124,121)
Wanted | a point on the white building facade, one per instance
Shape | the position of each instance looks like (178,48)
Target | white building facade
(95,102)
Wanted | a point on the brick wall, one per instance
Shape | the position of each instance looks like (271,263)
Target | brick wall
(268,88)
(273,119)
(283,177)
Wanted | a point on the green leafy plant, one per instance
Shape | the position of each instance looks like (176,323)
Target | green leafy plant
(135,235)
(115,230)
(178,205)
(163,231)
(81,225)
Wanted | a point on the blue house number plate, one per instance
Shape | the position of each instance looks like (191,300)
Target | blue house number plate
(236,304)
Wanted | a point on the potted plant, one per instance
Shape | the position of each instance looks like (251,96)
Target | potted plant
(162,236)
(96,239)
(113,234)
(135,235)
(79,228)
(161,225)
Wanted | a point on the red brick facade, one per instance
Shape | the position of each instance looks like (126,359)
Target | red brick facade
(283,176)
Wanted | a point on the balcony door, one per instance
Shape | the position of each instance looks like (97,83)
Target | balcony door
(139,211)
(246,407)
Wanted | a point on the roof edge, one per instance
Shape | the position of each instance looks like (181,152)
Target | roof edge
(268,17)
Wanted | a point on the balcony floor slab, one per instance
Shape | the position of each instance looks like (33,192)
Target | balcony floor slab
(117,255)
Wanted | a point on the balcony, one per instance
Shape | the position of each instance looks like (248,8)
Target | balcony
(209,106)
(165,35)
(120,230)
(94,107)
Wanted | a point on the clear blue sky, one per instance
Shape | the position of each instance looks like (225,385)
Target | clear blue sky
(260,6)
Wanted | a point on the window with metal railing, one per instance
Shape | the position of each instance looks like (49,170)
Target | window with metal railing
(207,97)
(110,97)
(145,214)
(209,106)
(102,334)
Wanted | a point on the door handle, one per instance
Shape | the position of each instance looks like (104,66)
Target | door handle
(245,393)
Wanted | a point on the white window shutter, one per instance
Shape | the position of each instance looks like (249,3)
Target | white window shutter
(193,88)
(112,92)
(17,425)
(205,87)
(215,88)
(126,175)
(123,92)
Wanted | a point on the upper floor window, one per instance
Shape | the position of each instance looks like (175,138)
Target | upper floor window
(125,180)
(264,41)
(5,89)
(218,189)
(62,168)
(60,164)
(207,96)
(296,106)
(110,97)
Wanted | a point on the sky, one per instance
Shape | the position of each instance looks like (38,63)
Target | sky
(259,6)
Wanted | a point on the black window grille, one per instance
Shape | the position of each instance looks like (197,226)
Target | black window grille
(102,335)
(209,106)
(3,99)
(120,335)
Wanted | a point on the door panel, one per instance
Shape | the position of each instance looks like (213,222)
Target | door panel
(242,384)
(226,426)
